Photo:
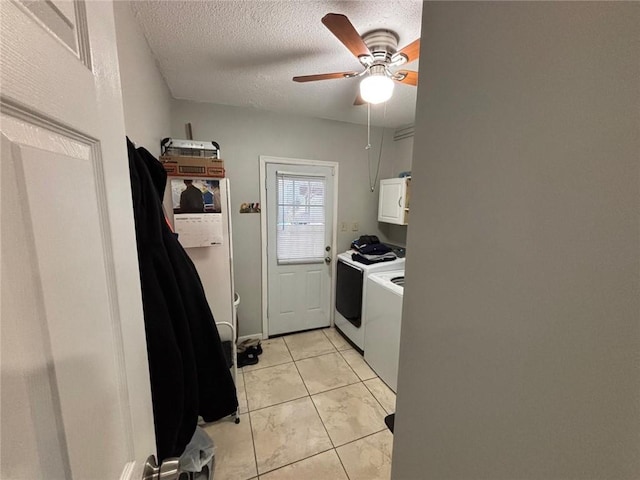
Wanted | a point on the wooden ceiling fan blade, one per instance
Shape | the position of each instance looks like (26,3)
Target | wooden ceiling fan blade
(411,52)
(410,77)
(324,76)
(342,28)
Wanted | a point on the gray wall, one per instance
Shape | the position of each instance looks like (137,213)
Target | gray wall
(245,134)
(145,95)
(520,347)
(400,161)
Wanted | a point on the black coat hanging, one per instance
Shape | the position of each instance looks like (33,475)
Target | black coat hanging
(183,344)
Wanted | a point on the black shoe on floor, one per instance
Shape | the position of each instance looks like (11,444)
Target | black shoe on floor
(251,345)
(247,358)
(255,349)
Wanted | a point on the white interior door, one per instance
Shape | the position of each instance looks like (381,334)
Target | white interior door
(76,399)
(299,246)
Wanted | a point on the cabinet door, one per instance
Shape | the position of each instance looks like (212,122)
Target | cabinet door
(392,201)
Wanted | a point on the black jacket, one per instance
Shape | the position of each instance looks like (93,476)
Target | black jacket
(189,375)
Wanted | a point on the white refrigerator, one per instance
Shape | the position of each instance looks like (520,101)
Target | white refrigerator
(214,263)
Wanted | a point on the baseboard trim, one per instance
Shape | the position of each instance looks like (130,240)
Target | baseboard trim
(257,336)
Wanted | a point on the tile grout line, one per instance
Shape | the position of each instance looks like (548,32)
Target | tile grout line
(301,460)
(318,413)
(374,395)
(353,369)
(334,448)
(253,440)
(275,365)
(286,401)
(343,467)
(348,443)
(321,422)
(279,403)
(309,394)
(368,390)
(327,337)
(358,379)
(336,388)
(363,437)
(349,347)
(295,360)
(314,404)
(305,358)
(363,382)
(315,356)
(312,356)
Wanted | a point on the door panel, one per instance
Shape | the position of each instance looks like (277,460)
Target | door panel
(314,290)
(299,287)
(73,352)
(81,350)
(64,19)
(286,285)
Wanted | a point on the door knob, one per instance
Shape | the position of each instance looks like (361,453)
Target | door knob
(327,260)
(151,469)
(169,470)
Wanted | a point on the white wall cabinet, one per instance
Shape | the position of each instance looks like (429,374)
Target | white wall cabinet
(393,203)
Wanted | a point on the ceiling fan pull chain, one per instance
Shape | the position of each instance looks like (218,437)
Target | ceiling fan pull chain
(372,185)
(368,127)
(375,180)
(368,147)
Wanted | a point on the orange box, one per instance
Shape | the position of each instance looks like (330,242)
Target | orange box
(178,166)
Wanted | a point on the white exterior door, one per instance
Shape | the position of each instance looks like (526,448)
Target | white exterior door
(299,246)
(76,400)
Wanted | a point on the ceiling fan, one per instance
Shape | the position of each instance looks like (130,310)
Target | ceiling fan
(377,52)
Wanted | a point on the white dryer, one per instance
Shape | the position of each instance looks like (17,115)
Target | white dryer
(351,294)
(385,292)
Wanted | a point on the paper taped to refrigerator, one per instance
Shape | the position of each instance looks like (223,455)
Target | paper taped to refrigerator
(199,229)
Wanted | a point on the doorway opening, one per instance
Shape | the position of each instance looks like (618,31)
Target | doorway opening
(298,237)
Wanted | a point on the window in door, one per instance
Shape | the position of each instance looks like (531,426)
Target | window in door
(300,232)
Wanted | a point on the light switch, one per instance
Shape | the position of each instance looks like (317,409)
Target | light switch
(344,227)
(355,227)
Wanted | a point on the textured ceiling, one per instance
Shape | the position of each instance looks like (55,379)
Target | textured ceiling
(245,53)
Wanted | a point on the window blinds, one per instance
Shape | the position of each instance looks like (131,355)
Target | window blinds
(300,229)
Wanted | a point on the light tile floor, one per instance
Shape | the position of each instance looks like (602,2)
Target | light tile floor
(311,409)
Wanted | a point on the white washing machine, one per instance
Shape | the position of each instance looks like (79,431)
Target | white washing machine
(385,292)
(351,294)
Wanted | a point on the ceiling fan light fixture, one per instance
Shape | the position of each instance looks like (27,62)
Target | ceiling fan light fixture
(376,88)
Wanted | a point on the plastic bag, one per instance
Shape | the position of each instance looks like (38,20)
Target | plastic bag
(198,452)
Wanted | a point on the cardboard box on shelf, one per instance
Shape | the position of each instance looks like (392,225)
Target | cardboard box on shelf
(179,166)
